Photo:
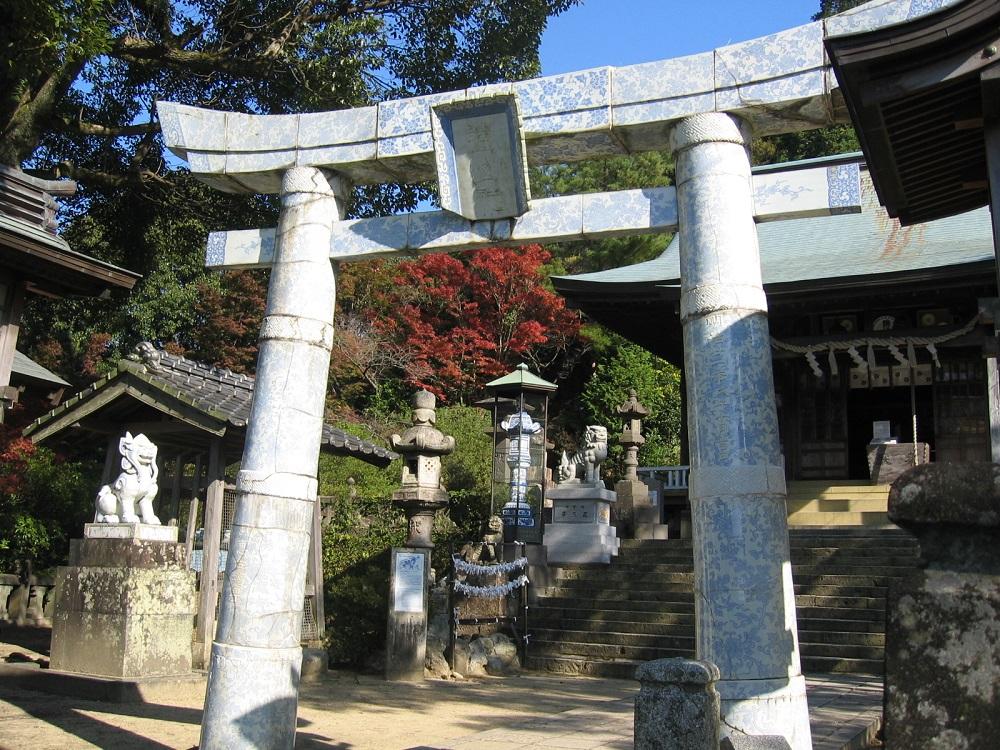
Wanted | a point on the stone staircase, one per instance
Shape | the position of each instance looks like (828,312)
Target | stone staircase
(605,620)
(845,503)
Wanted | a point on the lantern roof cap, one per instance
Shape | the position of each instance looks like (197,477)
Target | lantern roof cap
(520,379)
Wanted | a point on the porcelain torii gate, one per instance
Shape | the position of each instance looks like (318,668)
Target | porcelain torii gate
(476,143)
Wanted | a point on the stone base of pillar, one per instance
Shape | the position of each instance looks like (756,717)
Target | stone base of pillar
(677,707)
(244,715)
(635,508)
(766,707)
(646,524)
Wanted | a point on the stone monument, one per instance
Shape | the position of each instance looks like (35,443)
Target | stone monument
(581,530)
(942,633)
(635,509)
(125,604)
(420,496)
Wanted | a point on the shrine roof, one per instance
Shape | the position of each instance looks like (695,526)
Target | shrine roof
(821,252)
(210,399)
(25,368)
(921,94)
(30,247)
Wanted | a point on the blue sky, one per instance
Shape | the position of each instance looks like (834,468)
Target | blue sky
(622,32)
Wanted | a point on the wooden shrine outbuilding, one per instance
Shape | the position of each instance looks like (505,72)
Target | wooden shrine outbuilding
(871,322)
(34,259)
(197,416)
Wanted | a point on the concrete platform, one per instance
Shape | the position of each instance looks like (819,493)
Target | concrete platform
(358,712)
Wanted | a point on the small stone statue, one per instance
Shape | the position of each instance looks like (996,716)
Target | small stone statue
(136,484)
(489,548)
(587,461)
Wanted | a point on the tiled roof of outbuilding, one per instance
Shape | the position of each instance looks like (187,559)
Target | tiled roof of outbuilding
(218,393)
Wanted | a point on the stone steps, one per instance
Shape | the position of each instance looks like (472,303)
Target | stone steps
(604,621)
(597,616)
(615,638)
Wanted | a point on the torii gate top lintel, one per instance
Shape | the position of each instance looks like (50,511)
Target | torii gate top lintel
(778,83)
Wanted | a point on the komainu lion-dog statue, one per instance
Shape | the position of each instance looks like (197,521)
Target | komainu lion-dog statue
(585,464)
(116,502)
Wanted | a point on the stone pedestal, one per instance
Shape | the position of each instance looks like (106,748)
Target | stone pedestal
(125,604)
(744,601)
(635,503)
(677,707)
(942,635)
(406,635)
(581,530)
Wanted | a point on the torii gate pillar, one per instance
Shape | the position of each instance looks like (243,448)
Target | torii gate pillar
(745,605)
(253,680)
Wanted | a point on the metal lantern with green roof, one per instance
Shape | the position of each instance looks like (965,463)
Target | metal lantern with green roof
(520,405)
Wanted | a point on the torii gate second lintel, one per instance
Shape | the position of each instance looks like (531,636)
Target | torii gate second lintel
(778,195)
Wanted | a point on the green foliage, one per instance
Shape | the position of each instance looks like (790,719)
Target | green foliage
(829,8)
(360,531)
(624,366)
(808,144)
(466,472)
(44,502)
(653,169)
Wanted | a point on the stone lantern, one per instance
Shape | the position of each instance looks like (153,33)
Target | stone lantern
(638,510)
(631,438)
(421,492)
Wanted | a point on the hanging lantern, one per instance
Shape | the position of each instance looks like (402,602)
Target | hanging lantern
(520,405)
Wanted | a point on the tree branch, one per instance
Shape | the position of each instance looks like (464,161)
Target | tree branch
(105,131)
(145,52)
(106,179)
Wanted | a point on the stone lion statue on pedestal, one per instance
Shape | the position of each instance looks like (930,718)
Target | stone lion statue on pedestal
(116,502)
(585,464)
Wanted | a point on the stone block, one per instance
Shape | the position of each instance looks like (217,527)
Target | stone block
(871,16)
(626,211)
(555,217)
(126,610)
(142,532)
(564,94)
(342,126)
(955,494)
(755,742)
(886,461)
(315,664)
(771,56)
(439,230)
(678,706)
(8,583)
(676,78)
(567,543)
(260,132)
(942,654)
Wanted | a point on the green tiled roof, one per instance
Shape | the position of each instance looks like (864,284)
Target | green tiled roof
(26,367)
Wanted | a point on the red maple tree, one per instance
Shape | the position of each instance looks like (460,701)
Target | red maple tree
(472,316)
